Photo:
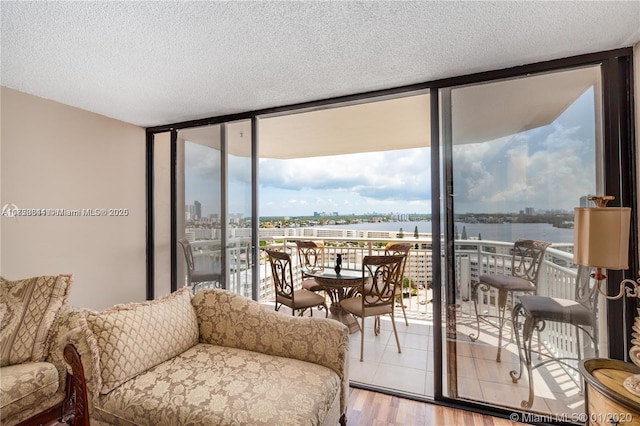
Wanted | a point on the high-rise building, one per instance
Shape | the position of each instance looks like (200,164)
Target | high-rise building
(198,209)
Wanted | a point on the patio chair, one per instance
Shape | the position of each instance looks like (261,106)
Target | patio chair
(526,258)
(310,259)
(581,312)
(296,300)
(378,297)
(198,276)
(399,249)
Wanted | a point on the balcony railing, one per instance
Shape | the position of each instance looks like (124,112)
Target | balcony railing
(473,258)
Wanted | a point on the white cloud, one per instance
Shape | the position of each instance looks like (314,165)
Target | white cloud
(548,168)
(390,175)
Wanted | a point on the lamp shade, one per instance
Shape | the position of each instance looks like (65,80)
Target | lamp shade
(601,237)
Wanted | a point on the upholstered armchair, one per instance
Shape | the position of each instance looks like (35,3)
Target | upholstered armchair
(34,388)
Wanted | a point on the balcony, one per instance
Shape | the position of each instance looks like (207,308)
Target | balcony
(475,375)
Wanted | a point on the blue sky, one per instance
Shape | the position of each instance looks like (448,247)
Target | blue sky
(548,167)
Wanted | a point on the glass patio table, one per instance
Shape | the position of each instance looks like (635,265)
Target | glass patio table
(339,286)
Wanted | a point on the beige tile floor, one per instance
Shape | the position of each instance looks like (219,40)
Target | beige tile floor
(479,377)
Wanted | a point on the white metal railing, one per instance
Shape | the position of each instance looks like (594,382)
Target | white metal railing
(473,258)
(207,255)
(417,269)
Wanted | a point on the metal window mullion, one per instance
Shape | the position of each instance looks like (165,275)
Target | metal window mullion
(224,199)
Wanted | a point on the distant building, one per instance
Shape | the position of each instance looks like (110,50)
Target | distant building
(197,209)
(189,212)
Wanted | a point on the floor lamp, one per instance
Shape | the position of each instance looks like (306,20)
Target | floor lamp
(601,240)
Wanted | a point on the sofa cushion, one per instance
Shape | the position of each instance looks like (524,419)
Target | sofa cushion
(30,308)
(134,337)
(215,385)
(26,385)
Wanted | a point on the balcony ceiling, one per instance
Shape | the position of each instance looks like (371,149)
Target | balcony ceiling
(155,63)
(479,113)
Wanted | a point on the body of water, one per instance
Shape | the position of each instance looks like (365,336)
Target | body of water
(487,231)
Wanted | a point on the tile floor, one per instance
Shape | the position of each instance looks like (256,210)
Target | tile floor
(479,377)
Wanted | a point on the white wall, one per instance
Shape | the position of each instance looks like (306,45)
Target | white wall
(59,157)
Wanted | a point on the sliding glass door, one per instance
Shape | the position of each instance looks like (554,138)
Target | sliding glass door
(215,206)
(509,159)
(519,156)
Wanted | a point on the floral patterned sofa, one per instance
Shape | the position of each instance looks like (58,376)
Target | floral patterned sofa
(213,359)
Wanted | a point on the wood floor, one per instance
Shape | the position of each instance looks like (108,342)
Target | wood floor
(366,408)
(372,408)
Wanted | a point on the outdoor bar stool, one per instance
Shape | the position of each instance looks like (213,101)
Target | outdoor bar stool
(198,276)
(538,310)
(526,260)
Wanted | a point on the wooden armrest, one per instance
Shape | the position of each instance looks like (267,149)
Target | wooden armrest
(78,386)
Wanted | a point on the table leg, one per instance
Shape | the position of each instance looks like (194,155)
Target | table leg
(339,314)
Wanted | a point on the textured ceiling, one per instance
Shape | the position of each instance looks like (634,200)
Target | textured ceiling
(479,113)
(155,63)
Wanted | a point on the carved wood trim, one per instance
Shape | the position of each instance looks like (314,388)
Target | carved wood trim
(79,387)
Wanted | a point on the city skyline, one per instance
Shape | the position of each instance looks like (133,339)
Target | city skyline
(191,209)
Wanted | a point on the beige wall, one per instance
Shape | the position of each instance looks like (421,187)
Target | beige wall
(59,157)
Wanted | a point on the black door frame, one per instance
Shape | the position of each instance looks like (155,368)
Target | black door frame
(620,180)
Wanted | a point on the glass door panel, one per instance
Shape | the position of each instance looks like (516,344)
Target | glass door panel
(217,200)
(521,154)
(200,222)
(354,178)
(239,208)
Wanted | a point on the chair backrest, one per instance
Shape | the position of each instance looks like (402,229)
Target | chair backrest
(527,258)
(586,291)
(281,273)
(310,256)
(383,275)
(188,253)
(401,249)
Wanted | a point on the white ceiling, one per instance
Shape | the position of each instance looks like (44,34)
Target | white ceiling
(155,63)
